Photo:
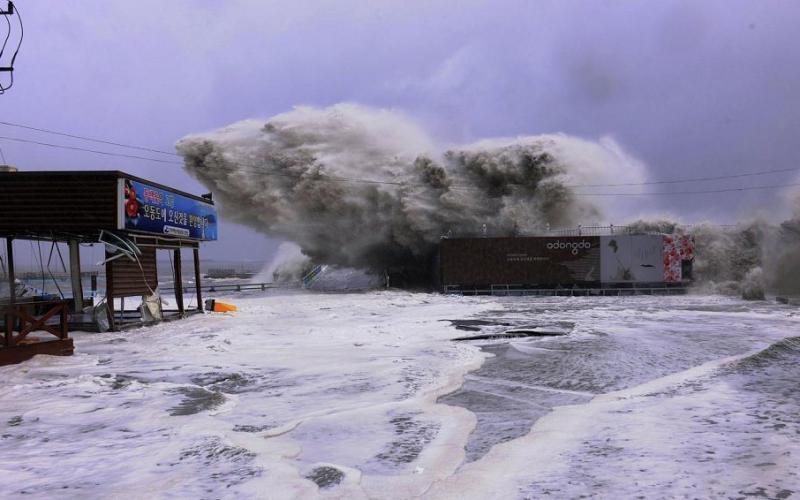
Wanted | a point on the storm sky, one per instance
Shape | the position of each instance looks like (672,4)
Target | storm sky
(690,88)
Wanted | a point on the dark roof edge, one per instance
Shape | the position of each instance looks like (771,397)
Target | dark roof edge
(116,173)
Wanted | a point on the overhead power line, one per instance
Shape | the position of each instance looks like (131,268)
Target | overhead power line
(178,163)
(86,150)
(692,179)
(8,35)
(703,191)
(400,183)
(90,139)
(753,173)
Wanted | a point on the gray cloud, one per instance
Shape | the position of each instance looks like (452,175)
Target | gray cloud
(688,87)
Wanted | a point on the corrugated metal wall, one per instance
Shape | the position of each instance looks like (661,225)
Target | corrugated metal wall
(130,279)
(69,202)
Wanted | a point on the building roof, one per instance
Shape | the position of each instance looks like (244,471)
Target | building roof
(65,205)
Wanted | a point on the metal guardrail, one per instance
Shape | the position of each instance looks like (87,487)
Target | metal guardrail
(510,291)
(234,287)
(596,231)
(313,275)
(581,230)
(37,275)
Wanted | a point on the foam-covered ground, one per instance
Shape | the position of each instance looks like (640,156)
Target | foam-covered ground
(644,397)
(335,395)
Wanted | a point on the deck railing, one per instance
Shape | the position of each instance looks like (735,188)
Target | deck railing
(21,319)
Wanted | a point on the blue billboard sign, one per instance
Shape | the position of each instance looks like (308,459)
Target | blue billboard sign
(150,209)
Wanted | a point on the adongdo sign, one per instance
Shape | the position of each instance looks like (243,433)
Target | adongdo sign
(150,209)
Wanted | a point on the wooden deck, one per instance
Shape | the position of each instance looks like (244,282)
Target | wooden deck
(21,319)
(25,351)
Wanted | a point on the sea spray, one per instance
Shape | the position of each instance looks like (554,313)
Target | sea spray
(753,285)
(365,188)
(287,265)
(746,259)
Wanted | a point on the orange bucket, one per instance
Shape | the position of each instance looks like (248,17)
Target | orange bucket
(220,307)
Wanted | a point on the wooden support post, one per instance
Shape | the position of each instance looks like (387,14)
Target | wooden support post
(64,326)
(75,273)
(9,322)
(12,291)
(12,288)
(197,284)
(179,282)
(110,294)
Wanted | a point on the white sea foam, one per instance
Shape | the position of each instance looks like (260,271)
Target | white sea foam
(343,389)
(706,431)
(245,403)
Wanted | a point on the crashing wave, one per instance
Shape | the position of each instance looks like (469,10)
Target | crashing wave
(364,188)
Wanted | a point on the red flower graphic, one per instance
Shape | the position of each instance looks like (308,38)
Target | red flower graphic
(131,204)
(132,207)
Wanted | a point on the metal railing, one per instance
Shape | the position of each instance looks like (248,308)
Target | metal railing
(582,230)
(514,291)
(234,287)
(313,275)
(609,230)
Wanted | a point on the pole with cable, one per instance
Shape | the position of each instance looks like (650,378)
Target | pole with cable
(10,11)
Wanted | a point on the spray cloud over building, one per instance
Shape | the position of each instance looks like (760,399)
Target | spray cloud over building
(367,188)
(747,259)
